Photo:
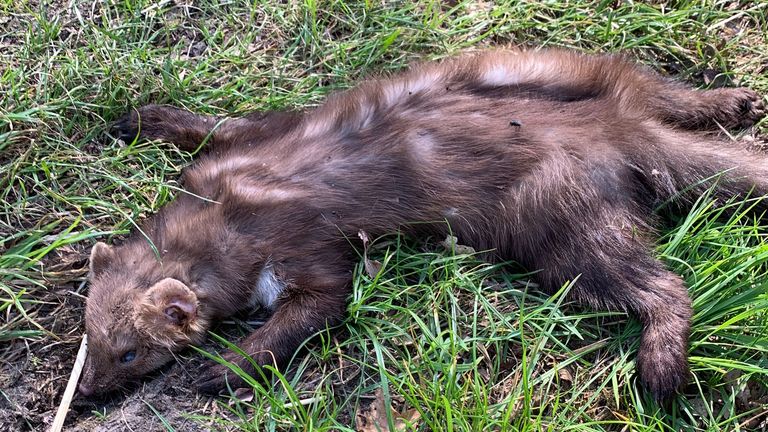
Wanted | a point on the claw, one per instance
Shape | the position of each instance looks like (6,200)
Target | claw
(751,106)
(215,377)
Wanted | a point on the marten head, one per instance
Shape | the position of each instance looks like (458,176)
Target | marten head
(135,318)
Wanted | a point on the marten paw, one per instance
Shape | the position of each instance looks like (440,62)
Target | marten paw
(145,122)
(745,105)
(127,127)
(216,377)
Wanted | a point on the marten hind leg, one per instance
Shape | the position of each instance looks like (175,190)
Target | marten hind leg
(616,271)
(639,89)
(190,131)
(727,107)
(634,88)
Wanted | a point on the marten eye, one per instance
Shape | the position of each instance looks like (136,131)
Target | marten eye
(128,356)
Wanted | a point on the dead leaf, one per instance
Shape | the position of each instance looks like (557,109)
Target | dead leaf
(374,417)
(364,237)
(738,386)
(451,244)
(243,394)
(372,267)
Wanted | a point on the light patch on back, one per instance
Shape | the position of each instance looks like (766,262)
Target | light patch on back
(425,81)
(255,193)
(500,75)
(318,124)
(517,70)
(365,115)
(268,289)
(450,212)
(422,146)
(226,166)
(397,91)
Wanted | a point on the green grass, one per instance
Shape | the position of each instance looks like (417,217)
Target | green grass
(463,342)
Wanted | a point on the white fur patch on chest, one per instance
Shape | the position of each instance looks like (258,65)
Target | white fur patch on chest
(268,289)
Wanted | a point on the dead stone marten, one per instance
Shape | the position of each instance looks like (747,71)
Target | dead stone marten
(553,159)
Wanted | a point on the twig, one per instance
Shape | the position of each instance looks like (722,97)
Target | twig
(69,392)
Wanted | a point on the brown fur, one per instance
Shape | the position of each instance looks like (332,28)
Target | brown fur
(553,159)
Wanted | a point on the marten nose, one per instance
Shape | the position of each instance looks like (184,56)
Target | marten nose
(85,390)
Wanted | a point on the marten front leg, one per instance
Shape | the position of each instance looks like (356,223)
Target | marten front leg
(159,122)
(301,313)
(190,131)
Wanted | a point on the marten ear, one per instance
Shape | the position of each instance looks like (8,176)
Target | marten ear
(101,256)
(168,313)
